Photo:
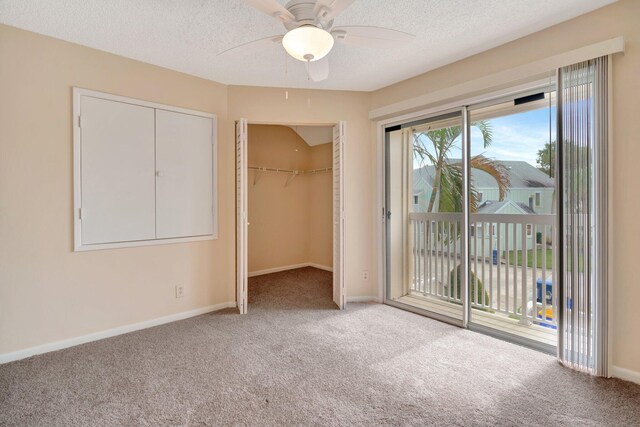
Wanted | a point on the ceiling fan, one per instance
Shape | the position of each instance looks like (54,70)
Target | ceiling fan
(310,33)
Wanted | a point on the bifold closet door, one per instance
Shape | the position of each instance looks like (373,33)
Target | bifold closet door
(339,296)
(242,256)
(184,175)
(118,182)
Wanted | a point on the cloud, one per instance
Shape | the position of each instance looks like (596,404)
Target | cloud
(516,137)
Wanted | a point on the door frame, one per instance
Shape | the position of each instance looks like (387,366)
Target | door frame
(426,113)
(465,106)
(384,275)
(242,272)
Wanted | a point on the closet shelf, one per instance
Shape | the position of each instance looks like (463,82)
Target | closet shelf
(321,170)
(292,172)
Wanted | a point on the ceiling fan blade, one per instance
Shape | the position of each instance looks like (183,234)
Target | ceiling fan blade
(318,70)
(272,8)
(326,10)
(253,46)
(378,37)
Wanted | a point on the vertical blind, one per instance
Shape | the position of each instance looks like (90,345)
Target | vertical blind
(582,157)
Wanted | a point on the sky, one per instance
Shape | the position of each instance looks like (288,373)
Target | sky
(515,137)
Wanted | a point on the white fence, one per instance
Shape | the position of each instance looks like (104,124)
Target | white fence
(505,251)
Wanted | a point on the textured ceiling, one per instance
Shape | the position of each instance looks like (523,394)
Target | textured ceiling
(186,35)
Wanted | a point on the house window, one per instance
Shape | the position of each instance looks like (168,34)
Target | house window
(538,197)
(415,199)
(529,230)
(472,231)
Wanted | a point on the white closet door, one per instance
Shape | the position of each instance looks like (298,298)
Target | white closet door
(184,175)
(241,222)
(339,133)
(118,183)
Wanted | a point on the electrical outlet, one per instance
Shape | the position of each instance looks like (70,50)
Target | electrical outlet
(365,275)
(179,291)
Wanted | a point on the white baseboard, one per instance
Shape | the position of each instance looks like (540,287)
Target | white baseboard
(288,267)
(320,266)
(625,374)
(363,299)
(71,342)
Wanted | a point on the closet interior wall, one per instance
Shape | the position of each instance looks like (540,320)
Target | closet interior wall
(290,216)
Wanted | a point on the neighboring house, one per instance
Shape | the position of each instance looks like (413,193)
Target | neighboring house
(531,193)
(495,235)
(504,207)
(529,186)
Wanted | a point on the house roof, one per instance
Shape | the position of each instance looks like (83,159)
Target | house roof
(522,174)
(492,206)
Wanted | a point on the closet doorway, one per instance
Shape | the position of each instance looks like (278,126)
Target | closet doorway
(290,209)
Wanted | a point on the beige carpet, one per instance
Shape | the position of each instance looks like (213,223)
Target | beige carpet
(296,360)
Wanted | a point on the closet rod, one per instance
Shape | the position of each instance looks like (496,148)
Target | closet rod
(261,169)
(291,171)
(321,170)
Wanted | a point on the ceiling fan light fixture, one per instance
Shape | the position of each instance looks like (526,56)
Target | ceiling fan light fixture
(308,43)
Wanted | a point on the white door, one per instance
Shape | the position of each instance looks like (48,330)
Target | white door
(241,221)
(339,133)
(184,175)
(118,171)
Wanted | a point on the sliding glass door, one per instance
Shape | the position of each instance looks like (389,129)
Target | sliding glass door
(493,165)
(425,205)
(512,219)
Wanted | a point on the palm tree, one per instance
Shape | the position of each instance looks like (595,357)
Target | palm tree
(435,146)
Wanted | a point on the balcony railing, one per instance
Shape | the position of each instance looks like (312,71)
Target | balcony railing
(512,268)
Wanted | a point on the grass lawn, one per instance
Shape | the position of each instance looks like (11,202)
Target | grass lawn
(539,258)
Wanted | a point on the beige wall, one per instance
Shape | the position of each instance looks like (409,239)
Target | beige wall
(269,105)
(621,18)
(48,292)
(290,223)
(321,207)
